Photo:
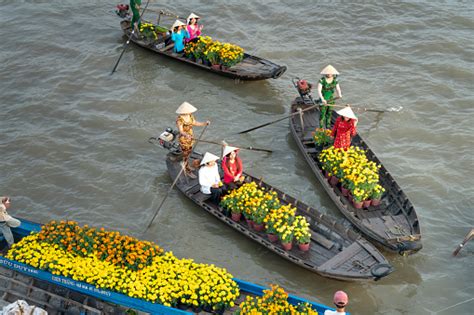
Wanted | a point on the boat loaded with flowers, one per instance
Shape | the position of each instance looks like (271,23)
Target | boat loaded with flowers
(361,187)
(288,227)
(222,58)
(138,274)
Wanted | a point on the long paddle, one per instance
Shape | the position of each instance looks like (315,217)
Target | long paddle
(176,179)
(246,148)
(128,40)
(466,239)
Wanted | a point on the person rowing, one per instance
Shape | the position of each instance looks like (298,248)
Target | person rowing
(135,7)
(344,128)
(185,123)
(327,86)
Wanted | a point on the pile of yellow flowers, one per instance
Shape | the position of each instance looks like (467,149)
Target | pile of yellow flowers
(274,302)
(148,31)
(214,51)
(263,206)
(354,170)
(165,279)
(322,136)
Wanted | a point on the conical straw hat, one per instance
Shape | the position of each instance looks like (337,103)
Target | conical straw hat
(329,70)
(186,108)
(177,23)
(192,16)
(347,112)
(208,157)
(228,149)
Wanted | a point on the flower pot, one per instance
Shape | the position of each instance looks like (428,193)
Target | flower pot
(344,191)
(287,246)
(272,237)
(376,202)
(350,197)
(249,222)
(304,247)
(258,227)
(357,204)
(216,67)
(333,181)
(236,216)
(366,203)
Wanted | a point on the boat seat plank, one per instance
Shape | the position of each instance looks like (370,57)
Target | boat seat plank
(328,244)
(199,196)
(342,257)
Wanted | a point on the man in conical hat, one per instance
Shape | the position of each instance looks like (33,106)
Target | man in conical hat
(344,128)
(209,177)
(327,85)
(178,34)
(185,123)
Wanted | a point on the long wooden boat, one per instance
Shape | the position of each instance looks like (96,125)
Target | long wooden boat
(394,223)
(335,251)
(251,68)
(246,288)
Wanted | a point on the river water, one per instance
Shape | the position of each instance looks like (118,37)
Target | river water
(73,138)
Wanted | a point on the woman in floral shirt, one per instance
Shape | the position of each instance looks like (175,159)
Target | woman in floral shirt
(344,128)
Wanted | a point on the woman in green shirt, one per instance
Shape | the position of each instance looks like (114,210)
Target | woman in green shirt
(326,88)
(135,7)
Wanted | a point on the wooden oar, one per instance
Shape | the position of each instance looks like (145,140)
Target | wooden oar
(466,239)
(128,40)
(246,148)
(176,179)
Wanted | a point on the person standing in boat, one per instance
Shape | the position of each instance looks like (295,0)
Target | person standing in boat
(327,86)
(185,123)
(340,300)
(7,222)
(135,7)
(209,177)
(232,167)
(344,128)
(194,30)
(178,35)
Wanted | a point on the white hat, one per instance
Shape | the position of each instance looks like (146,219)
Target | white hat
(329,70)
(209,157)
(347,112)
(177,23)
(192,16)
(186,108)
(228,149)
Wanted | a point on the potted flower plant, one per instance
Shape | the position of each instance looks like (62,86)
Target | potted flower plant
(302,233)
(376,195)
(230,55)
(322,137)
(286,234)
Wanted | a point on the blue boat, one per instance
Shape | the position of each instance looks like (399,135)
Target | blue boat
(26,227)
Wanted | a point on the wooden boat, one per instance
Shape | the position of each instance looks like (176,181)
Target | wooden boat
(394,223)
(335,252)
(251,68)
(246,288)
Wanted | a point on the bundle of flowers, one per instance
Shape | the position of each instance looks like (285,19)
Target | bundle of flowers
(149,31)
(230,55)
(274,302)
(214,51)
(354,170)
(322,136)
(160,278)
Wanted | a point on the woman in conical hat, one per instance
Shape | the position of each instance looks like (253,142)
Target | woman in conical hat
(327,85)
(209,177)
(178,34)
(194,30)
(344,128)
(185,123)
(232,167)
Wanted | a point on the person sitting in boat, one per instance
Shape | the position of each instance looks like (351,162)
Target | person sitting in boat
(209,177)
(185,123)
(340,300)
(194,30)
(7,222)
(344,128)
(327,85)
(232,167)
(135,7)
(178,34)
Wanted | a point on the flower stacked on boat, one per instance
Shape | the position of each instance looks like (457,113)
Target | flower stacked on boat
(215,52)
(354,170)
(139,269)
(274,301)
(264,207)
(322,136)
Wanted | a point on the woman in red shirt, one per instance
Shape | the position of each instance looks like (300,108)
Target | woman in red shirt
(344,128)
(232,167)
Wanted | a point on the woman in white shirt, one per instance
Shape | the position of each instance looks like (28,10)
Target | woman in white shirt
(209,177)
